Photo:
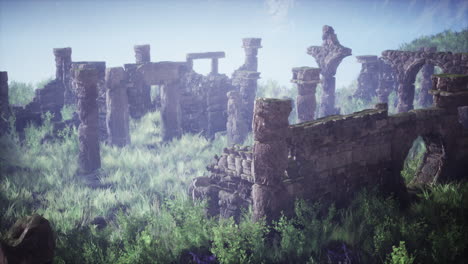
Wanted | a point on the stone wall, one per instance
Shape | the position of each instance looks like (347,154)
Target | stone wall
(229,184)
(4,102)
(407,64)
(332,158)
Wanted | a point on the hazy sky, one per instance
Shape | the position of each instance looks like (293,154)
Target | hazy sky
(107,30)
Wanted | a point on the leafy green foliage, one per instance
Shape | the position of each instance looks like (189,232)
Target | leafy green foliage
(456,42)
(400,255)
(20,93)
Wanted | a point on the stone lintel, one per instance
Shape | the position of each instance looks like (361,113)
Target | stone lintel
(62,52)
(206,55)
(367,59)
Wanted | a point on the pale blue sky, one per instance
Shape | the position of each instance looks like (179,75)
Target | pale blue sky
(107,30)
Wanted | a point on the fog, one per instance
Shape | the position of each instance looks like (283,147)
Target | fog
(107,31)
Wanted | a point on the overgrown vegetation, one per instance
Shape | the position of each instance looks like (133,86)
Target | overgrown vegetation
(455,42)
(150,219)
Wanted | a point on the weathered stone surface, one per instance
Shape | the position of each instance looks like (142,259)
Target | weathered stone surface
(328,57)
(387,81)
(142,54)
(449,91)
(425,98)
(30,240)
(117,119)
(237,127)
(270,156)
(368,79)
(306,79)
(4,102)
(407,64)
(463,116)
(86,78)
(63,64)
(251,46)
(170,111)
(100,66)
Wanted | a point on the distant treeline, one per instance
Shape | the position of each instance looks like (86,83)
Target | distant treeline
(456,42)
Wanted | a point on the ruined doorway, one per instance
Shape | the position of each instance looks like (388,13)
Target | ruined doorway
(422,84)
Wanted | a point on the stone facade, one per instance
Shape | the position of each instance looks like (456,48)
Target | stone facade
(332,158)
(237,128)
(328,57)
(368,79)
(306,79)
(407,64)
(86,79)
(117,118)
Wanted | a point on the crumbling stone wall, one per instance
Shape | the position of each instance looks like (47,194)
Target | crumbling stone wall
(425,99)
(332,158)
(387,81)
(407,64)
(328,57)
(62,73)
(229,185)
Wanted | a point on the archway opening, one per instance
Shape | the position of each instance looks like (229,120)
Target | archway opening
(422,84)
(413,160)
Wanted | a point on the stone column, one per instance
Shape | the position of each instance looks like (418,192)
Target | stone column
(63,64)
(170,111)
(237,126)
(386,81)
(142,53)
(306,79)
(368,79)
(251,46)
(117,118)
(425,99)
(463,116)
(214,66)
(270,157)
(248,91)
(100,66)
(86,81)
(328,57)
(4,102)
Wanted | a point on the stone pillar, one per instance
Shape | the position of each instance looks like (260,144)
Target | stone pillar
(86,81)
(328,57)
(368,79)
(425,99)
(237,126)
(170,111)
(463,116)
(251,46)
(306,79)
(4,102)
(142,54)
(450,91)
(117,118)
(386,81)
(100,66)
(214,66)
(248,91)
(270,157)
(63,64)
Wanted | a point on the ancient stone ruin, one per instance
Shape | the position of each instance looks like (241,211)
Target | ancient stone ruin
(368,79)
(328,57)
(117,118)
(86,78)
(306,79)
(425,99)
(62,73)
(4,102)
(407,64)
(331,158)
(387,81)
